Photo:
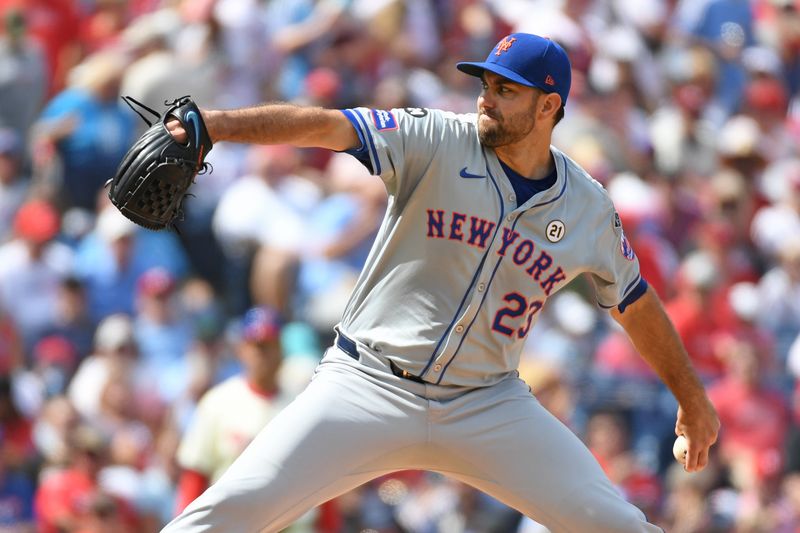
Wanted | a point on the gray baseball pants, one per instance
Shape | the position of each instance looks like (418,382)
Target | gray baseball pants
(357,421)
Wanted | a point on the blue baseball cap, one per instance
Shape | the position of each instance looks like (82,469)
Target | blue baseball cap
(260,324)
(529,60)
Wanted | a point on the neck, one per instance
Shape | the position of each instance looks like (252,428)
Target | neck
(531,159)
(36,250)
(263,385)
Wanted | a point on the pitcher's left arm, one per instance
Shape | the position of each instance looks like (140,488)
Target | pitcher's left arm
(647,324)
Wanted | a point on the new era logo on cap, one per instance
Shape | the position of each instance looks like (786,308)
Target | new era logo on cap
(529,60)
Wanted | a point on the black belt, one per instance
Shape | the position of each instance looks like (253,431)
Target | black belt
(348,346)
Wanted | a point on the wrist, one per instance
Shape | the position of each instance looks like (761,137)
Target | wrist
(214,122)
(695,403)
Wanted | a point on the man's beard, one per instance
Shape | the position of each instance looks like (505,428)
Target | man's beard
(502,132)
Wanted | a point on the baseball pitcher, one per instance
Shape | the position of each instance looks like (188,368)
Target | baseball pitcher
(486,220)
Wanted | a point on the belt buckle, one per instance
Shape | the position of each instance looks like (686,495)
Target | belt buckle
(405,374)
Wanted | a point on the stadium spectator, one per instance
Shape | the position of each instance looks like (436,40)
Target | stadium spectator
(54,26)
(608,438)
(216,436)
(114,355)
(32,266)
(16,501)
(88,128)
(23,77)
(14,185)
(755,417)
(779,297)
(73,320)
(17,452)
(51,431)
(698,292)
(260,221)
(70,498)
(111,258)
(726,27)
(163,335)
(341,229)
(11,352)
(54,361)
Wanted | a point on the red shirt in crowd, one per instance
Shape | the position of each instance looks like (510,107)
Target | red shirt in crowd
(696,326)
(754,422)
(65,498)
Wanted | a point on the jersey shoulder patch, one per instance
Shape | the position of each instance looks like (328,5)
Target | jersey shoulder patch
(416,112)
(383,120)
(626,249)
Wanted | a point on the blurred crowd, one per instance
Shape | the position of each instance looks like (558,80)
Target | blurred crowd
(135,365)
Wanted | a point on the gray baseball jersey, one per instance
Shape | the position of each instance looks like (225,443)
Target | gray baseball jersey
(459,274)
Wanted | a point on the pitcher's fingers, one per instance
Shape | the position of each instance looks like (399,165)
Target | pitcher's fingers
(702,459)
(176,130)
(696,457)
(692,453)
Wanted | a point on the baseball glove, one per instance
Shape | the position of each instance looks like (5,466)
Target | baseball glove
(154,176)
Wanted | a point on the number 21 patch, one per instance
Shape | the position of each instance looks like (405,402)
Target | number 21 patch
(555,231)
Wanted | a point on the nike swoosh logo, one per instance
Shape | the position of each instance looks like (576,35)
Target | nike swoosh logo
(192,117)
(468,175)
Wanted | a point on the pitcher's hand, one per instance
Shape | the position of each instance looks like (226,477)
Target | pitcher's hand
(700,425)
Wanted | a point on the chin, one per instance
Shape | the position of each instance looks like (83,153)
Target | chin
(490,135)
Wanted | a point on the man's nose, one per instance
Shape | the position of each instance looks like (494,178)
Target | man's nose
(485,101)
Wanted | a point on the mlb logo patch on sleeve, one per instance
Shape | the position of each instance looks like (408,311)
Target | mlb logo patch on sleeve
(627,249)
(384,120)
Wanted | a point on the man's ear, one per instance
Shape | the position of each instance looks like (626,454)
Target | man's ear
(549,104)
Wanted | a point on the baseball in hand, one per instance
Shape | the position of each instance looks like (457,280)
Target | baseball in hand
(679,449)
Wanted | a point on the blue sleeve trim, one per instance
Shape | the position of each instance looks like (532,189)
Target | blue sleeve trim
(361,153)
(362,149)
(372,149)
(367,148)
(637,292)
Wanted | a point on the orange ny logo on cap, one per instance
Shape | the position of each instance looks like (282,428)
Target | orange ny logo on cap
(504,45)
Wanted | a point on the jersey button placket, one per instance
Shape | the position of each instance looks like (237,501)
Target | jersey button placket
(459,328)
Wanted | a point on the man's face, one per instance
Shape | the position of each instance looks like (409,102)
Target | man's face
(506,111)
(9,168)
(261,356)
